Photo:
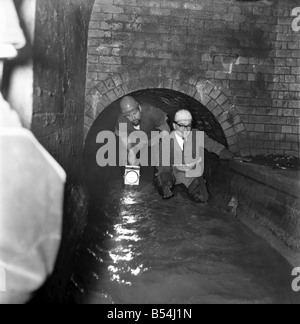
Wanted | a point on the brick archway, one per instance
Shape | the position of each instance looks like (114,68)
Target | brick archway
(117,86)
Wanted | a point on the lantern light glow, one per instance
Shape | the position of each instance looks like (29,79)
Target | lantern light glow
(132,175)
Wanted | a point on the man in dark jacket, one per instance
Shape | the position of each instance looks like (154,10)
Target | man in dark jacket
(139,117)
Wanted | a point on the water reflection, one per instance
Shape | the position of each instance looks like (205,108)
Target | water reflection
(130,198)
(143,250)
(121,254)
(123,233)
(125,239)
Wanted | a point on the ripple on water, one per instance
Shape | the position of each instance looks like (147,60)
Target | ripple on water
(176,251)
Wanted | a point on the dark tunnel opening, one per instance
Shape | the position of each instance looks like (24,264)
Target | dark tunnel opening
(167,100)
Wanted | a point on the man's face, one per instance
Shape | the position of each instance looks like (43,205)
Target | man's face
(183,128)
(135,117)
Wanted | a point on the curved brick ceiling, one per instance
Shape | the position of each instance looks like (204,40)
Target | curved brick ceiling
(171,101)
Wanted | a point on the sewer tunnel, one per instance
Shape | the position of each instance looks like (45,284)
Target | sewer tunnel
(138,248)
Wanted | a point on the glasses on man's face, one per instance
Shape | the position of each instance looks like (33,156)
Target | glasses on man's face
(184,127)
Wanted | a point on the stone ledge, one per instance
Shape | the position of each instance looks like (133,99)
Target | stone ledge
(284,181)
(267,201)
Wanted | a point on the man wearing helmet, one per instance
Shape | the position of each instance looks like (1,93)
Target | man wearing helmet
(140,117)
(168,177)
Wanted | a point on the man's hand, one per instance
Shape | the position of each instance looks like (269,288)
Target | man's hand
(167,192)
(227,155)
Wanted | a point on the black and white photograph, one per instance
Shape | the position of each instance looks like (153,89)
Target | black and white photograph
(149,154)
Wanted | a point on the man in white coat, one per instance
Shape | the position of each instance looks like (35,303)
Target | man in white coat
(31,190)
(190,171)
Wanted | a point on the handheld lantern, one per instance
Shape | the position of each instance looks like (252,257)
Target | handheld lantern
(132,175)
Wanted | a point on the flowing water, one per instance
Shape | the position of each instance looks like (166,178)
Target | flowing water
(139,249)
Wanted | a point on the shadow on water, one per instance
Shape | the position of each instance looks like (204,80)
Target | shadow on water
(139,249)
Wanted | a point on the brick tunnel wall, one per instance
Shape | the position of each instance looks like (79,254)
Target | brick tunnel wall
(238,58)
(59,55)
(60,50)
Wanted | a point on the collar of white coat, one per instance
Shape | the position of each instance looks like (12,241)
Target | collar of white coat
(180,140)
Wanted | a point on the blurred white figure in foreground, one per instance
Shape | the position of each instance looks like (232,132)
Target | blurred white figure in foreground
(31,190)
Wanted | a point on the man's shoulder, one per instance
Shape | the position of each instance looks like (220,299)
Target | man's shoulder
(150,109)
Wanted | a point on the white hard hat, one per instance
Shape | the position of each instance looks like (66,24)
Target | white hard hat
(183,115)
